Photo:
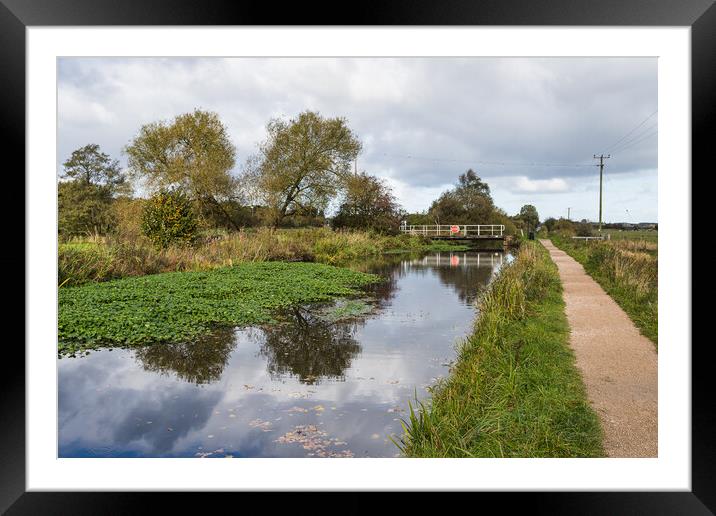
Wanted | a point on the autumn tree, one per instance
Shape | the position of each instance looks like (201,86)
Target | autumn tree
(469,202)
(303,163)
(193,155)
(368,203)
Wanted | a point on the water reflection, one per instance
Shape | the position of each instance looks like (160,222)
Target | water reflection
(308,387)
(308,347)
(108,407)
(199,362)
(466,271)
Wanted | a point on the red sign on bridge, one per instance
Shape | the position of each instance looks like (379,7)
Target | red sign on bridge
(454,229)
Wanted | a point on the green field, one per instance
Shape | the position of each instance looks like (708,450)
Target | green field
(647,235)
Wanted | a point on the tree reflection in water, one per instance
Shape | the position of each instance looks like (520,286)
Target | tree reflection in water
(308,347)
(198,362)
(468,282)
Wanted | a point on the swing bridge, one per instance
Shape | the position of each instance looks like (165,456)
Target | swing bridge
(456,231)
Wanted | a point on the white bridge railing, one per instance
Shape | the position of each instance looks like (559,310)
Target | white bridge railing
(455,230)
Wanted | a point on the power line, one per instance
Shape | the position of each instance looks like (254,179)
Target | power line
(613,145)
(638,135)
(497,163)
(644,137)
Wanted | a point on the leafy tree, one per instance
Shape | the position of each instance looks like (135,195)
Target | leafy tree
(83,209)
(192,154)
(499,216)
(302,163)
(91,181)
(549,223)
(529,215)
(92,167)
(168,219)
(368,204)
(469,202)
(470,182)
(418,219)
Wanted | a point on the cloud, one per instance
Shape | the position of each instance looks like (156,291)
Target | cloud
(527,185)
(423,121)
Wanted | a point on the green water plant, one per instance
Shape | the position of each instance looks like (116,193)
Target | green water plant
(173,307)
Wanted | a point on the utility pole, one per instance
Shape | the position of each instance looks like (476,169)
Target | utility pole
(601,171)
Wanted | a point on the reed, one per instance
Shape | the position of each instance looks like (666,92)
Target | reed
(102,259)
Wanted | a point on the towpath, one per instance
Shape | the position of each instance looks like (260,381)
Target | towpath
(618,364)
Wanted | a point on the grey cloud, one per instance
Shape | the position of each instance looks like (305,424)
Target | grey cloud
(423,120)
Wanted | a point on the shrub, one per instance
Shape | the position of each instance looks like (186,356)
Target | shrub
(584,229)
(127,215)
(168,219)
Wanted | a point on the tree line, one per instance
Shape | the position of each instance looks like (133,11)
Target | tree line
(305,166)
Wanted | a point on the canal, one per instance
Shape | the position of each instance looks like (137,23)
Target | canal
(327,381)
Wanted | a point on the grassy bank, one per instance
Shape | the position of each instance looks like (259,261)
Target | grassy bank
(111,258)
(183,305)
(514,391)
(627,270)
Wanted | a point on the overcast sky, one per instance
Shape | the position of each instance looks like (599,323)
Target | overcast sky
(528,126)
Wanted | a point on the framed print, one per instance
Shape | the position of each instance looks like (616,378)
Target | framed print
(415,250)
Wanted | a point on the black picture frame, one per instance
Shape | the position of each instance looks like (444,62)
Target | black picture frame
(16,15)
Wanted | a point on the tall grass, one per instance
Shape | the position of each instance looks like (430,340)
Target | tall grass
(514,391)
(112,257)
(628,270)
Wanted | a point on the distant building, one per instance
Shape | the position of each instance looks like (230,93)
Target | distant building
(647,225)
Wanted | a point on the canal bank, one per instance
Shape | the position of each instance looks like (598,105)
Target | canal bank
(515,390)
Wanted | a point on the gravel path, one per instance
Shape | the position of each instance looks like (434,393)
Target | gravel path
(618,364)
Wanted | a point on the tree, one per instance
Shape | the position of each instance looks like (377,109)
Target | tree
(529,215)
(193,155)
(303,163)
(368,204)
(92,180)
(549,223)
(83,209)
(565,227)
(91,167)
(468,203)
